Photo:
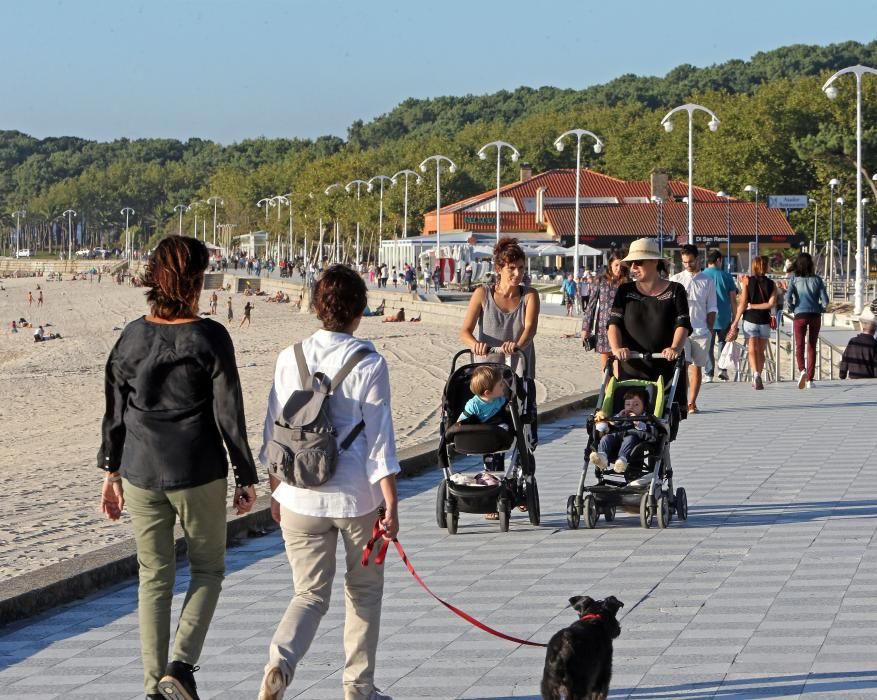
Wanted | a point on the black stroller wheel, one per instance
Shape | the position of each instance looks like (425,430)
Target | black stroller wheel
(531,491)
(609,513)
(662,506)
(589,510)
(441,517)
(504,517)
(646,510)
(681,503)
(453,519)
(572,513)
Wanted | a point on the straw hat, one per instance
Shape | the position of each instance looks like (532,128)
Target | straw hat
(644,249)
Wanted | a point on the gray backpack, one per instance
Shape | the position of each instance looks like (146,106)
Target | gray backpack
(304,446)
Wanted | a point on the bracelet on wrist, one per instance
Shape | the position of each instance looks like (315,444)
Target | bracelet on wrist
(112,478)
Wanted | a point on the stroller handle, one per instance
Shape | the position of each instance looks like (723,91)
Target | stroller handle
(680,357)
(490,351)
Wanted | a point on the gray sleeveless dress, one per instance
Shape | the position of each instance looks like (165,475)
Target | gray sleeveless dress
(496,326)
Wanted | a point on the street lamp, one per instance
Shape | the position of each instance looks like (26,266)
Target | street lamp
(418,180)
(558,144)
(127,211)
(69,213)
(840,248)
(812,201)
(482,153)
(668,127)
(18,214)
(834,182)
(266,202)
(328,192)
(286,199)
(752,189)
(831,93)
(181,208)
(195,206)
(727,199)
(452,168)
(380,179)
(349,187)
(216,199)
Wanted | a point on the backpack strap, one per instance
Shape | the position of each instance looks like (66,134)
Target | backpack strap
(304,373)
(348,366)
(339,377)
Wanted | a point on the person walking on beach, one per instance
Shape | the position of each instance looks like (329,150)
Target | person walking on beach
(40,298)
(248,307)
(807,298)
(348,504)
(230,310)
(170,418)
(214,301)
(726,303)
(702,308)
(29,298)
(755,304)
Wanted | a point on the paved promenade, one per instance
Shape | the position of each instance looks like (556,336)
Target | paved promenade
(766,591)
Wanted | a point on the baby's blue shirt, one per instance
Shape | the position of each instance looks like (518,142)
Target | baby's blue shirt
(476,407)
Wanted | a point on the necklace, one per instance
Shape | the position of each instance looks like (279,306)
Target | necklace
(655,290)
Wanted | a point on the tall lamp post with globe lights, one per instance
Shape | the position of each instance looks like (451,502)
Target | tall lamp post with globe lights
(380,179)
(18,214)
(482,153)
(558,144)
(328,193)
(126,212)
(831,92)
(69,213)
(215,199)
(181,208)
(667,123)
(349,187)
(452,168)
(395,179)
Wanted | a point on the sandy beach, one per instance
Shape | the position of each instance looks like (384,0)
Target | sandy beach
(51,401)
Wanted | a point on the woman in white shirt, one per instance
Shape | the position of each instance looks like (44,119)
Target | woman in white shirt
(347,504)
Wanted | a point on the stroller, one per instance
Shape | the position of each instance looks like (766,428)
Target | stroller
(512,430)
(647,483)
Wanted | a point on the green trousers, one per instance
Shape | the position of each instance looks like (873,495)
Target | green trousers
(201,511)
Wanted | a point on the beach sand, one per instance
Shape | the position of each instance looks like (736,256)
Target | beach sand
(51,401)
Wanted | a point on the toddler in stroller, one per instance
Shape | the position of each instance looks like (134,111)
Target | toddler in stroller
(637,418)
(487,411)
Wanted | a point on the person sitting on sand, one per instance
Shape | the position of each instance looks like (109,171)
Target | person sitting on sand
(38,335)
(397,317)
(416,319)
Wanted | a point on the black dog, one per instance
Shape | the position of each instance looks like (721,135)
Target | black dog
(578,665)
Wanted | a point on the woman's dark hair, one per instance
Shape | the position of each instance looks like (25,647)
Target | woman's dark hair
(616,255)
(339,297)
(506,251)
(803,266)
(175,276)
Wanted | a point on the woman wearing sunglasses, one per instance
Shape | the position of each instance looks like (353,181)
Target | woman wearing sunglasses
(649,315)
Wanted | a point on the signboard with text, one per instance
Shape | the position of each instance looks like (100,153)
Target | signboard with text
(787,201)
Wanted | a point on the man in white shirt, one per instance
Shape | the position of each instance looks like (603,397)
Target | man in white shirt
(702,308)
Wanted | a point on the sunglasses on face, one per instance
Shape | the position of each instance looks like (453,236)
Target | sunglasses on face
(637,263)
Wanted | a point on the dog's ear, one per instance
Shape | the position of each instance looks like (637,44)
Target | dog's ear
(580,603)
(613,604)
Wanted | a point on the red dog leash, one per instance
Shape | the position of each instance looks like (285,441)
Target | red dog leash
(378,532)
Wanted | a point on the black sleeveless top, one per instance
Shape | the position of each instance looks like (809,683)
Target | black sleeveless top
(759,290)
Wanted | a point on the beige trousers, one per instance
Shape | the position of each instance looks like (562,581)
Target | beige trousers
(310,545)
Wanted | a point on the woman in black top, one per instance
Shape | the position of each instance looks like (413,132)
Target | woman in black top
(757,299)
(173,407)
(649,315)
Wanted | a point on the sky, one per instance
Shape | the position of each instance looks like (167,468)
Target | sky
(227,70)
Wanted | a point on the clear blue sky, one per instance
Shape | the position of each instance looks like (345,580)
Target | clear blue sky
(233,69)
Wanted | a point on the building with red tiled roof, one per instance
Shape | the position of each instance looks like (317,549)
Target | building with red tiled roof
(614,212)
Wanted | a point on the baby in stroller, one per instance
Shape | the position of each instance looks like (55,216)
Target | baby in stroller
(619,446)
(488,395)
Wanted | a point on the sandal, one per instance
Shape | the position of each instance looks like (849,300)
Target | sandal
(491,516)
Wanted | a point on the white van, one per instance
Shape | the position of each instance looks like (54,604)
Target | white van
(24,253)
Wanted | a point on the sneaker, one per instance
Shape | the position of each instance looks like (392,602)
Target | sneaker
(802,381)
(707,379)
(599,460)
(723,375)
(809,384)
(273,685)
(620,466)
(758,384)
(178,682)
(379,695)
